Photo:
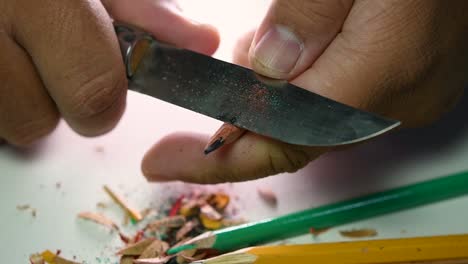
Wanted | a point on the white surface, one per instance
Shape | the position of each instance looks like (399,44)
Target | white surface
(77,163)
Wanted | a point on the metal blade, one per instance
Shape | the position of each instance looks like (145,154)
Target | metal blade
(237,95)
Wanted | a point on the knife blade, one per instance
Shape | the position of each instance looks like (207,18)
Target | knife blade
(237,95)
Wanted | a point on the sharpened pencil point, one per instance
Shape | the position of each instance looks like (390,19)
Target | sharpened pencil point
(178,249)
(214,146)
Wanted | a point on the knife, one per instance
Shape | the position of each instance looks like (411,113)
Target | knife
(237,95)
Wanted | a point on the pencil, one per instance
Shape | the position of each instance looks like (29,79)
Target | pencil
(438,249)
(255,233)
(225,135)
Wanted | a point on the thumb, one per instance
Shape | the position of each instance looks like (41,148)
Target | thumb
(294,34)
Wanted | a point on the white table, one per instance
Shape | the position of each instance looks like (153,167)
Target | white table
(83,165)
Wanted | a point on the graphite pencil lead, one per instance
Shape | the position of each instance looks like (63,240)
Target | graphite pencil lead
(214,145)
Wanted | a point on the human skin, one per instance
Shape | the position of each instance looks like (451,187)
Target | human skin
(61,59)
(404,59)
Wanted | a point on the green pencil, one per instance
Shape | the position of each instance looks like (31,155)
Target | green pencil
(291,225)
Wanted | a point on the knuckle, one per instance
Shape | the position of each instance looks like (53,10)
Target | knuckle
(97,93)
(29,132)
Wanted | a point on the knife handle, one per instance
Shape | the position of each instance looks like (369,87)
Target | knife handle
(133,42)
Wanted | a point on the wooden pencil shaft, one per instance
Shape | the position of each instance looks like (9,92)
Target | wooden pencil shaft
(438,249)
(340,213)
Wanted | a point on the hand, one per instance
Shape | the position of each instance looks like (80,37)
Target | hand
(61,58)
(403,59)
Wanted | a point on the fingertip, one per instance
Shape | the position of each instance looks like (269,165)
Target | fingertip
(161,161)
(206,41)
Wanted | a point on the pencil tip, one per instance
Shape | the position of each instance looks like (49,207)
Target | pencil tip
(214,146)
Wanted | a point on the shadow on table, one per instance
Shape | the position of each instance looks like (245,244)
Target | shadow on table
(367,167)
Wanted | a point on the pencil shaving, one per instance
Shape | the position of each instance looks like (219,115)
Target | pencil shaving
(99,219)
(50,258)
(359,233)
(185,229)
(137,248)
(219,201)
(267,195)
(210,224)
(189,256)
(23,207)
(123,204)
(36,259)
(209,212)
(155,250)
(316,232)
(126,260)
(161,260)
(171,222)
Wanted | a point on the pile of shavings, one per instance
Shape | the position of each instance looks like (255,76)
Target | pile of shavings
(189,216)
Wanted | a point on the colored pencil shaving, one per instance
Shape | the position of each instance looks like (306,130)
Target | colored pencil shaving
(155,235)
(437,249)
(133,213)
(359,233)
(225,135)
(233,238)
(98,218)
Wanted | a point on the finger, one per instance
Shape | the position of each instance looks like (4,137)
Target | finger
(395,69)
(294,34)
(27,113)
(170,26)
(250,158)
(74,47)
(240,54)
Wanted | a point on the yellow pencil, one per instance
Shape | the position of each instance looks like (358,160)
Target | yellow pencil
(450,249)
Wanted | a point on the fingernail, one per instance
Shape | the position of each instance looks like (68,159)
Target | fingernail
(278,51)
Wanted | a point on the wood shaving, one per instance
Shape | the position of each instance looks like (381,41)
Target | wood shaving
(36,259)
(99,149)
(137,248)
(232,222)
(126,220)
(209,212)
(190,208)
(316,232)
(99,219)
(50,258)
(219,201)
(154,250)
(359,233)
(185,229)
(209,223)
(101,205)
(172,222)
(126,260)
(203,212)
(23,207)
(268,195)
(189,256)
(161,260)
(60,260)
(135,214)
(146,212)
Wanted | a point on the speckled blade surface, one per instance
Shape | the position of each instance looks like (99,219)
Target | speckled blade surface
(237,95)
